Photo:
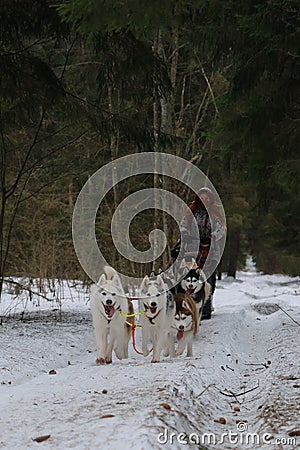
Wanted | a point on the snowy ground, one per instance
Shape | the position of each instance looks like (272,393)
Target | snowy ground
(241,387)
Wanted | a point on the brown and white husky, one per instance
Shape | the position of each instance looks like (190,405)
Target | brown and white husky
(184,326)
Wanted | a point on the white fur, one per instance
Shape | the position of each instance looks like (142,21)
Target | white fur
(111,333)
(155,321)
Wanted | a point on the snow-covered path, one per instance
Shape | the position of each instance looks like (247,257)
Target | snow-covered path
(243,380)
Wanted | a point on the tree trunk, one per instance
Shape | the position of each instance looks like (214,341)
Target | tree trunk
(233,249)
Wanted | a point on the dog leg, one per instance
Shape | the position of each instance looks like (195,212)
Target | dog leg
(126,340)
(189,352)
(101,341)
(145,338)
(172,346)
(157,341)
(121,347)
(111,345)
(180,347)
(200,311)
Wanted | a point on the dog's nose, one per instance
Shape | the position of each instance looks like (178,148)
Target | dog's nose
(181,328)
(153,304)
(109,302)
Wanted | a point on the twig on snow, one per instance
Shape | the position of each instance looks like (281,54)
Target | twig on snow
(297,323)
(232,394)
(204,390)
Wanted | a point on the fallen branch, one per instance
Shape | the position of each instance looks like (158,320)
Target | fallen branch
(266,364)
(26,288)
(204,390)
(297,323)
(232,394)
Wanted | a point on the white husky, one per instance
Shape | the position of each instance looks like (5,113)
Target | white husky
(108,300)
(156,317)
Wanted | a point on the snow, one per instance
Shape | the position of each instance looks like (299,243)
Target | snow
(244,373)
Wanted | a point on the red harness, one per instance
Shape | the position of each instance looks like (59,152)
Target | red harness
(133,327)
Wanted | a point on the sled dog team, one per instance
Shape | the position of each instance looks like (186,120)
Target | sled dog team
(169,322)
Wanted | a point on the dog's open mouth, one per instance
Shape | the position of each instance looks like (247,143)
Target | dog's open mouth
(179,335)
(153,309)
(189,291)
(109,310)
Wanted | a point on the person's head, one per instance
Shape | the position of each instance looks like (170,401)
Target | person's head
(206,196)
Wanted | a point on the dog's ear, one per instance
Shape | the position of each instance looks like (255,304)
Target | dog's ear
(101,280)
(117,282)
(194,264)
(160,271)
(182,264)
(184,271)
(152,274)
(160,283)
(145,283)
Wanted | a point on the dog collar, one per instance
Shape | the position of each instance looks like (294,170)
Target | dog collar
(152,318)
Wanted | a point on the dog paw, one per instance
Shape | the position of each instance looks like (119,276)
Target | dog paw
(146,353)
(108,360)
(100,361)
(155,361)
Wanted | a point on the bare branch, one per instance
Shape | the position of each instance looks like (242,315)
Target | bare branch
(288,315)
(12,189)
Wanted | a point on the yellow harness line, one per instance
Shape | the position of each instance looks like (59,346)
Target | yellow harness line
(132,315)
(134,326)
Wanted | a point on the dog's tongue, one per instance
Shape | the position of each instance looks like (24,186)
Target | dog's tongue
(188,292)
(179,335)
(110,311)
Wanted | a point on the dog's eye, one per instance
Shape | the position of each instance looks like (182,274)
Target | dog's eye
(113,293)
(157,295)
(177,318)
(103,293)
(149,295)
(183,317)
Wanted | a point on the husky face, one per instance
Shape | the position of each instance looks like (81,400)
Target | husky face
(193,281)
(185,318)
(153,296)
(110,295)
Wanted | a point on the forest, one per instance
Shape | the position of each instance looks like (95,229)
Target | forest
(84,82)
